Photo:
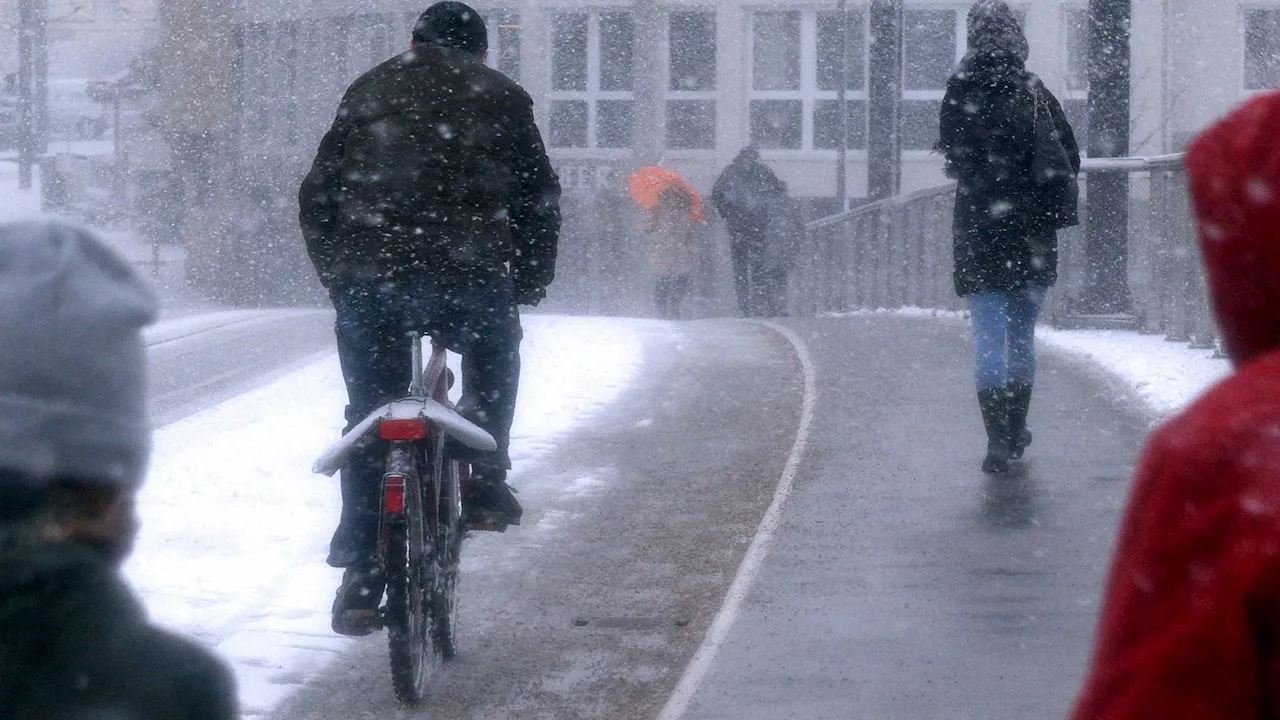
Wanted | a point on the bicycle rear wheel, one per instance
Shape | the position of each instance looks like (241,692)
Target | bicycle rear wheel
(410,579)
(449,533)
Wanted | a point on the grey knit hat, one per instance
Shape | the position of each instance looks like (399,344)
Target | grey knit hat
(993,29)
(72,362)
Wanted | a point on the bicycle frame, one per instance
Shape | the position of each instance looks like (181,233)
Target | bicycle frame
(405,412)
(420,523)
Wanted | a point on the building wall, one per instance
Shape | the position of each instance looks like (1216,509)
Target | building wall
(296,57)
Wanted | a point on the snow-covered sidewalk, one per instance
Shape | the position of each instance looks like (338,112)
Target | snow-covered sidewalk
(236,528)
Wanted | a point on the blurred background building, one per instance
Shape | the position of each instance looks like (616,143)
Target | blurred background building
(253,86)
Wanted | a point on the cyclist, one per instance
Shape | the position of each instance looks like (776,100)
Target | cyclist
(431,206)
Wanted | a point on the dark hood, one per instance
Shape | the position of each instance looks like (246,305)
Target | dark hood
(44,592)
(995,30)
(1234,174)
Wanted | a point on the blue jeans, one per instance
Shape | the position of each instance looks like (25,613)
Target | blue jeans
(1004,342)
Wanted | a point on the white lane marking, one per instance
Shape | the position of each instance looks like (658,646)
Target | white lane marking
(716,635)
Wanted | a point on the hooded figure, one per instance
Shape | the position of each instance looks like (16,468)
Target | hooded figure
(1014,157)
(1192,608)
(74,438)
(748,195)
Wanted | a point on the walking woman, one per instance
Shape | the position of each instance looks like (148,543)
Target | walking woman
(1009,147)
(673,228)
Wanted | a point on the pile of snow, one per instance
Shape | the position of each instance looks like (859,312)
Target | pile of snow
(246,573)
(1168,376)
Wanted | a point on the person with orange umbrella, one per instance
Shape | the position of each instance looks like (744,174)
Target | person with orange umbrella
(675,215)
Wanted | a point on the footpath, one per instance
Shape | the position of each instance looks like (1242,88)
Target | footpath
(903,583)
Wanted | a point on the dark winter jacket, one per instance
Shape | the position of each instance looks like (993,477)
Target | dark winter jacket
(745,194)
(75,645)
(1190,624)
(434,165)
(1004,222)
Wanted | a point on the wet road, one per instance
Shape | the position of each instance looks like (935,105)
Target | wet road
(199,360)
(900,582)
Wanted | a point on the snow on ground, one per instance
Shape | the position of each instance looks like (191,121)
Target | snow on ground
(16,204)
(235,528)
(1166,375)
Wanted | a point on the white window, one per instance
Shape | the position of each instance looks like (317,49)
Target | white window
(592,100)
(268,68)
(504,40)
(1075,101)
(504,43)
(1261,49)
(691,80)
(933,43)
(795,77)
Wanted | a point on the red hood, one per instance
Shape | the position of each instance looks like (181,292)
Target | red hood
(1234,172)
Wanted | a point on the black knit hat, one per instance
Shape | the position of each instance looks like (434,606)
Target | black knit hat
(452,24)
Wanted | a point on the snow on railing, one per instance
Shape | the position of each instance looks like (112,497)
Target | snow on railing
(897,252)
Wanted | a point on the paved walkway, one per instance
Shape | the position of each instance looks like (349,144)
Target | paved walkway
(903,583)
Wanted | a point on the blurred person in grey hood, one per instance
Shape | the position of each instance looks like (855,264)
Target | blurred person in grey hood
(74,442)
(1014,157)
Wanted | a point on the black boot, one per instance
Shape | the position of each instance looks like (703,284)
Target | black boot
(995,416)
(490,503)
(1019,394)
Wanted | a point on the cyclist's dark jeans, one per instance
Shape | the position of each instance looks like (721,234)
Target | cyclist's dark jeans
(477,319)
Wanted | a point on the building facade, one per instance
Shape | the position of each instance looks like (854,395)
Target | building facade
(688,84)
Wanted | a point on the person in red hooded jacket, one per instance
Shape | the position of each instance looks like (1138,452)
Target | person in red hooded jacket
(1190,625)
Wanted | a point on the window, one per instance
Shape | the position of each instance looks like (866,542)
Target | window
(592,76)
(932,43)
(796,66)
(256,53)
(506,56)
(1261,49)
(286,58)
(691,81)
(1075,102)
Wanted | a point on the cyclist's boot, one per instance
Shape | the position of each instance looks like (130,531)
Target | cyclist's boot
(995,416)
(355,609)
(490,503)
(1019,402)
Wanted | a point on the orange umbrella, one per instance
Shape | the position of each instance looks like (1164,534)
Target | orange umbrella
(648,183)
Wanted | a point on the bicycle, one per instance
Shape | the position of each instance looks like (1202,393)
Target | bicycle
(421,521)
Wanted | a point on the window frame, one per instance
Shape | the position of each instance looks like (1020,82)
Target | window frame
(808,94)
(1243,33)
(593,94)
(670,95)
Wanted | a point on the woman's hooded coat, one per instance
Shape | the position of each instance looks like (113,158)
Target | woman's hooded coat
(1004,223)
(1190,623)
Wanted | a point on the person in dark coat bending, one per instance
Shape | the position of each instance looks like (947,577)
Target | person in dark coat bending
(1189,621)
(1014,156)
(432,207)
(747,195)
(75,642)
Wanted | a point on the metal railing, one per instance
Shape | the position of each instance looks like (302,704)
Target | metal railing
(898,253)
